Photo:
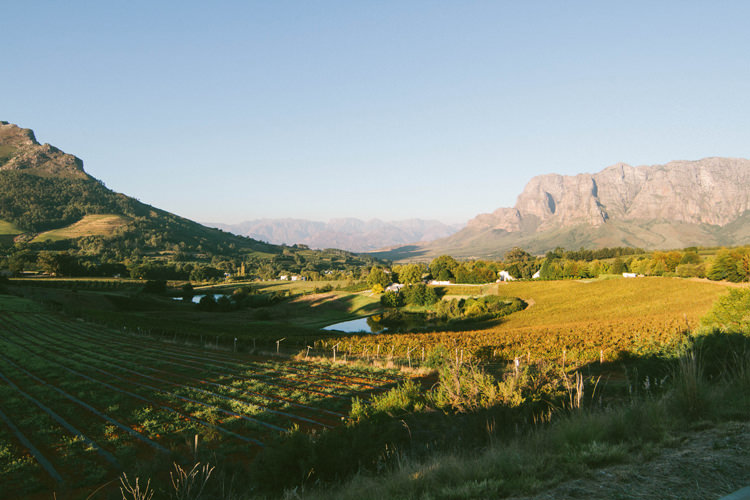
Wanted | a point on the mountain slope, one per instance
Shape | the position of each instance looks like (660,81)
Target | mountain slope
(44,189)
(682,203)
(348,233)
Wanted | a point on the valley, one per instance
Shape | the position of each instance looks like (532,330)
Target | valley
(146,355)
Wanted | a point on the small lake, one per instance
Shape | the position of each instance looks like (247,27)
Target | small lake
(359,325)
(197,298)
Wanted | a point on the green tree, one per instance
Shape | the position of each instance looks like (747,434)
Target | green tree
(392,299)
(730,313)
(378,276)
(618,266)
(410,273)
(443,268)
(517,254)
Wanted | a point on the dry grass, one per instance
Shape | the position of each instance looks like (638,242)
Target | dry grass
(90,225)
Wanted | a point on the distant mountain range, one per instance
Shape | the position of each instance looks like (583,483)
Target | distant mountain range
(680,204)
(351,234)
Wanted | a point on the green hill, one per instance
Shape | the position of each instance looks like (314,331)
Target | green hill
(48,202)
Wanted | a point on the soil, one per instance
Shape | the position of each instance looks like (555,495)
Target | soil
(706,464)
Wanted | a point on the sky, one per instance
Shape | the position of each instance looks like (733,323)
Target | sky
(233,111)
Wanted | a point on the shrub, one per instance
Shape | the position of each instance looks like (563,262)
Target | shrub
(731,313)
(392,299)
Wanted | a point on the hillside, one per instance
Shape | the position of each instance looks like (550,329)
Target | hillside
(680,204)
(351,234)
(49,202)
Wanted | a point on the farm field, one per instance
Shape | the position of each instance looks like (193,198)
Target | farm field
(79,402)
(577,321)
(89,225)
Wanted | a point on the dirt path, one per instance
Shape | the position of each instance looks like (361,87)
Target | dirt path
(703,465)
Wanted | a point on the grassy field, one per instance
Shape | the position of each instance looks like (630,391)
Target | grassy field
(578,321)
(8,228)
(8,231)
(89,225)
(79,402)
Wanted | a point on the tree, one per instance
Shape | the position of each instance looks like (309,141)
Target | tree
(56,264)
(378,276)
(516,254)
(731,313)
(410,273)
(618,266)
(726,266)
(443,268)
(392,299)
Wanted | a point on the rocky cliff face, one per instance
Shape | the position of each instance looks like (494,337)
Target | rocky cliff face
(19,150)
(680,204)
(709,191)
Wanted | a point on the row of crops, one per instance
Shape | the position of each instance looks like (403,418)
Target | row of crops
(79,402)
(571,321)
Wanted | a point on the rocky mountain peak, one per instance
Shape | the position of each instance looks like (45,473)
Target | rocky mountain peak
(707,191)
(19,150)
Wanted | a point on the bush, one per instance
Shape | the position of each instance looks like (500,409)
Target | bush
(731,313)
(392,299)
(420,295)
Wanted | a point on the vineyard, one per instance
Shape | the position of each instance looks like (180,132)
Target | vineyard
(79,402)
(572,321)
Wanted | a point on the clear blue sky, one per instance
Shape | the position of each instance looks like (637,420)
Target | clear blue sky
(228,111)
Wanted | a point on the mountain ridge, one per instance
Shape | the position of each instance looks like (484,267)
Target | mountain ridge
(677,204)
(347,233)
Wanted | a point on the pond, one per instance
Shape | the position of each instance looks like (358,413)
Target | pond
(359,325)
(197,298)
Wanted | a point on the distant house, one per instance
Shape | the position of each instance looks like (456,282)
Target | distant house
(537,275)
(284,277)
(298,278)
(505,276)
(438,283)
(629,275)
(394,287)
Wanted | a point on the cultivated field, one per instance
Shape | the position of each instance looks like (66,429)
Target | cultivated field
(79,403)
(573,320)
(89,225)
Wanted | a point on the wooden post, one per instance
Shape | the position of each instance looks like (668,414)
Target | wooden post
(308,352)
(377,354)
(564,352)
(422,354)
(601,356)
(277,344)
(517,363)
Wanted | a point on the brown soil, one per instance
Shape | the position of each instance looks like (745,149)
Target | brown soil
(707,464)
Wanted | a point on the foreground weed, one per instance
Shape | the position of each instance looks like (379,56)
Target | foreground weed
(133,491)
(692,393)
(189,485)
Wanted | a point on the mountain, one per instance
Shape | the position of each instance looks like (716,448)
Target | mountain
(348,233)
(45,195)
(680,204)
